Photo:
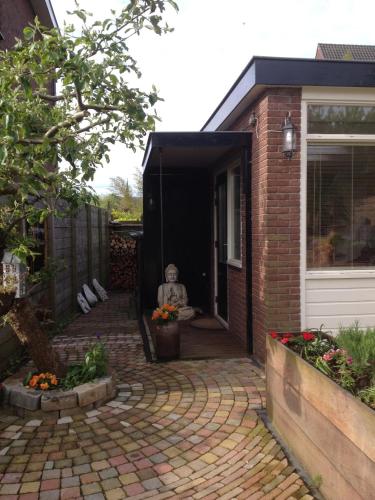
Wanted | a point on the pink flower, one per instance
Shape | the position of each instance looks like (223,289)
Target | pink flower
(349,360)
(284,340)
(328,355)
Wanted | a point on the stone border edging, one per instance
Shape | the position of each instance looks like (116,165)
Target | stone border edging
(57,403)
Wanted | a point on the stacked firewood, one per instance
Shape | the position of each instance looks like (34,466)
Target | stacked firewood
(123,262)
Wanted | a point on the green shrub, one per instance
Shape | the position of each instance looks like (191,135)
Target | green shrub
(93,366)
(360,345)
(122,216)
(368,396)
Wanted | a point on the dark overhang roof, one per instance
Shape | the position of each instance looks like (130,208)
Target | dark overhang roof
(191,149)
(44,10)
(264,72)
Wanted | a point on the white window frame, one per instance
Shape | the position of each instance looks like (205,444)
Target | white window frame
(232,261)
(327,96)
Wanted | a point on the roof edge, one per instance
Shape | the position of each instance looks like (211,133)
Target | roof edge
(44,10)
(276,71)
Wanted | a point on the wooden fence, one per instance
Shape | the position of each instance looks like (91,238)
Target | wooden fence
(80,245)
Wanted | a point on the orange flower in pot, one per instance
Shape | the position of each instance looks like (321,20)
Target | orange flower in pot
(167,334)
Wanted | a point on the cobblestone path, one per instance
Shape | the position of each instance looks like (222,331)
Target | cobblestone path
(186,429)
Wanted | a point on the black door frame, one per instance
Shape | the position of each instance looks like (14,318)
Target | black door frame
(221,270)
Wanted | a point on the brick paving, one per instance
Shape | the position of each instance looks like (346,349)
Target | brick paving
(184,429)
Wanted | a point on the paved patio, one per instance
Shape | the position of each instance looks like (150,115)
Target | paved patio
(186,429)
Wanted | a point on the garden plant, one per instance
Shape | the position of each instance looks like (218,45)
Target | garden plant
(348,358)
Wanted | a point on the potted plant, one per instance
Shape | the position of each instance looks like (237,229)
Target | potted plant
(167,335)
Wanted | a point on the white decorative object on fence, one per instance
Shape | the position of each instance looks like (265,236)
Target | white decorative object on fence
(83,304)
(99,290)
(14,272)
(92,299)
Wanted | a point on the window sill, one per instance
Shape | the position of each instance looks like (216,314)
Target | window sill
(340,274)
(234,263)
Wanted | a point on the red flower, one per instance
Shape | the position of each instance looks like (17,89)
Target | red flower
(274,335)
(308,336)
(287,335)
(285,340)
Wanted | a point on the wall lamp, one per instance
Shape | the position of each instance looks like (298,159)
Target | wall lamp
(289,137)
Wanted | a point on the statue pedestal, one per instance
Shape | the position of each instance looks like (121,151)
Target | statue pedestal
(167,339)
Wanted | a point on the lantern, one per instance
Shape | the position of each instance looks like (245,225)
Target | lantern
(289,137)
(14,272)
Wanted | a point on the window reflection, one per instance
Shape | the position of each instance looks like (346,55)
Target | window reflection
(340,206)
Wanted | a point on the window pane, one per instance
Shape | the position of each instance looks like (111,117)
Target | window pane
(364,206)
(341,119)
(340,206)
(222,221)
(236,215)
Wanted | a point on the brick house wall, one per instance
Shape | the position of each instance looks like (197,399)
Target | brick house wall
(14,16)
(275,225)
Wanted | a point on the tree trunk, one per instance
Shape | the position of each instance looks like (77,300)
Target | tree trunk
(22,319)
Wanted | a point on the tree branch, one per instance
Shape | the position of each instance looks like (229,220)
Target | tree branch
(76,118)
(35,140)
(92,125)
(99,107)
(79,97)
(51,98)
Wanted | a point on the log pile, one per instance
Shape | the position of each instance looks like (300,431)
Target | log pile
(123,262)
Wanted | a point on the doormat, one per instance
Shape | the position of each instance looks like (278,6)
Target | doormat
(207,324)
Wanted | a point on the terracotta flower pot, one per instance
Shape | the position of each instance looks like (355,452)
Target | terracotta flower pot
(167,341)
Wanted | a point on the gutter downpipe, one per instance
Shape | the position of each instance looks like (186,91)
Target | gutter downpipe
(246,189)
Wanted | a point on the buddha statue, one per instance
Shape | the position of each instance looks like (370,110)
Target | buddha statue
(174,293)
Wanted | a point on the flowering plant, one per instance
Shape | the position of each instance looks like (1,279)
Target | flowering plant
(337,364)
(43,381)
(322,352)
(165,314)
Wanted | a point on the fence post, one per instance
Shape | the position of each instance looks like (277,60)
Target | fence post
(101,256)
(73,269)
(106,247)
(89,244)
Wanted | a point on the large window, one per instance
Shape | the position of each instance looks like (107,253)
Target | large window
(234,206)
(341,189)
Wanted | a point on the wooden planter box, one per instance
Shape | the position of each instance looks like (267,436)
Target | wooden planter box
(330,432)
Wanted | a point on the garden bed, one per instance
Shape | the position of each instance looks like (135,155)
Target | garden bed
(331,432)
(58,403)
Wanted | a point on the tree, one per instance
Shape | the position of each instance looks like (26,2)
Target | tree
(95,107)
(138,182)
(122,192)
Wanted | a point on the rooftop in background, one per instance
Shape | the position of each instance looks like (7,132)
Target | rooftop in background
(345,52)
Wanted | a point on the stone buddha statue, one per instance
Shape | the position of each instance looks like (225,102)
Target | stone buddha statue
(174,293)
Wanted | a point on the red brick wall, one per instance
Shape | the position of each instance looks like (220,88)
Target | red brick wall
(275,224)
(14,16)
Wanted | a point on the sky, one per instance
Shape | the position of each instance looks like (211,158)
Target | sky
(212,42)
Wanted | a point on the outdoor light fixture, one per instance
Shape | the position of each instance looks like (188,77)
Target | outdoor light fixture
(150,202)
(289,137)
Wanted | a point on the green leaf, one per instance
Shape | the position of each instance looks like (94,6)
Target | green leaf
(28,33)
